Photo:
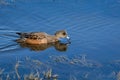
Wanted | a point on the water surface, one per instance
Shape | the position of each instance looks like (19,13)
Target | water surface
(92,25)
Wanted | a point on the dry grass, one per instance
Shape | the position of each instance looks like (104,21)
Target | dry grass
(37,71)
(16,70)
(80,60)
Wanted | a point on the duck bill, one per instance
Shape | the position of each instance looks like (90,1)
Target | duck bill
(68,38)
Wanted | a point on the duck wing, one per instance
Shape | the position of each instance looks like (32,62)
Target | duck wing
(33,35)
(37,35)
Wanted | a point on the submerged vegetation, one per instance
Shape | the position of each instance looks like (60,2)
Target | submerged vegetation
(77,60)
(31,69)
(6,2)
(37,71)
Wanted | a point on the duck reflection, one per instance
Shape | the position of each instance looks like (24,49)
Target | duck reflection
(58,46)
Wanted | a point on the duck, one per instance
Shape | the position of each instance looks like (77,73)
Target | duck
(41,37)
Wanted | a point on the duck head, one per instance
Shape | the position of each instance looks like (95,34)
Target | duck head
(62,35)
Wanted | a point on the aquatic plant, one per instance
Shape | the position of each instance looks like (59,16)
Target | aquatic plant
(118,75)
(49,75)
(1,71)
(72,77)
(6,2)
(16,70)
(32,77)
(79,60)
(3,2)
(61,59)
(36,71)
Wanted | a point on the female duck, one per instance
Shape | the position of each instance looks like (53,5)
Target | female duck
(41,37)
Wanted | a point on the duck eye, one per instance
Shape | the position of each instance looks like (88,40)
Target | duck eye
(64,33)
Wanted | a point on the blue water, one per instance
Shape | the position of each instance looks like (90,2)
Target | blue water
(93,26)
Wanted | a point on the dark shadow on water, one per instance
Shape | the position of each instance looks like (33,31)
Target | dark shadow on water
(41,47)
(58,46)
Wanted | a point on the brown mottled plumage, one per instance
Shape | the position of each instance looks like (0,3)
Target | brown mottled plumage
(41,37)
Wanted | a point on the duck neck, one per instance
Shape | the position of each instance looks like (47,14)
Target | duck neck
(57,37)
